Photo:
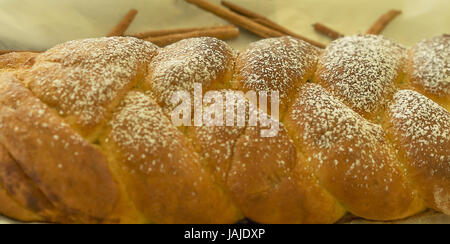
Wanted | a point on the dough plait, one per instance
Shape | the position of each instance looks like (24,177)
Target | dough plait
(86,134)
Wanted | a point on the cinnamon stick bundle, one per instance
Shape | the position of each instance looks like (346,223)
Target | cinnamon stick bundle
(124,23)
(258,27)
(242,11)
(267,22)
(255,16)
(236,19)
(283,30)
(222,32)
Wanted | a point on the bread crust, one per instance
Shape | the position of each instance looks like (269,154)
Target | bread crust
(72,173)
(429,69)
(206,61)
(419,128)
(17,195)
(362,71)
(84,80)
(16,60)
(272,184)
(86,136)
(281,64)
(351,157)
(22,191)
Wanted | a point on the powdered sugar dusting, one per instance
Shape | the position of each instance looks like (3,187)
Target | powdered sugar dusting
(424,127)
(361,70)
(140,125)
(217,142)
(38,115)
(431,65)
(275,64)
(81,78)
(335,117)
(328,125)
(217,146)
(218,136)
(180,65)
(148,141)
(87,78)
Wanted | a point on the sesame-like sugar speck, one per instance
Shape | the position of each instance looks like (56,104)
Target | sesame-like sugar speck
(431,65)
(361,70)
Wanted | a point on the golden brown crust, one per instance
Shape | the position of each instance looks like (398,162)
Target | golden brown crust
(206,60)
(216,144)
(11,177)
(280,64)
(84,80)
(430,66)
(271,185)
(361,71)
(234,155)
(26,196)
(429,69)
(72,173)
(163,175)
(421,130)
(110,153)
(16,60)
(350,157)
(14,210)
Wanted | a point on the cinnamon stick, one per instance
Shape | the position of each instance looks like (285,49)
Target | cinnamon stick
(268,23)
(285,31)
(223,33)
(236,19)
(383,21)
(18,51)
(157,33)
(327,31)
(124,23)
(242,11)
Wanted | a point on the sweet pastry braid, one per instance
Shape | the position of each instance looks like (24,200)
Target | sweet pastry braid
(86,134)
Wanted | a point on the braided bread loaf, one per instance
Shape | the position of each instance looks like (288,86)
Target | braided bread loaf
(86,135)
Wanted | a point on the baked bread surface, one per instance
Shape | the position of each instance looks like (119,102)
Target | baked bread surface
(86,134)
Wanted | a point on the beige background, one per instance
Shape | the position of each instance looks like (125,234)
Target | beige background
(40,24)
